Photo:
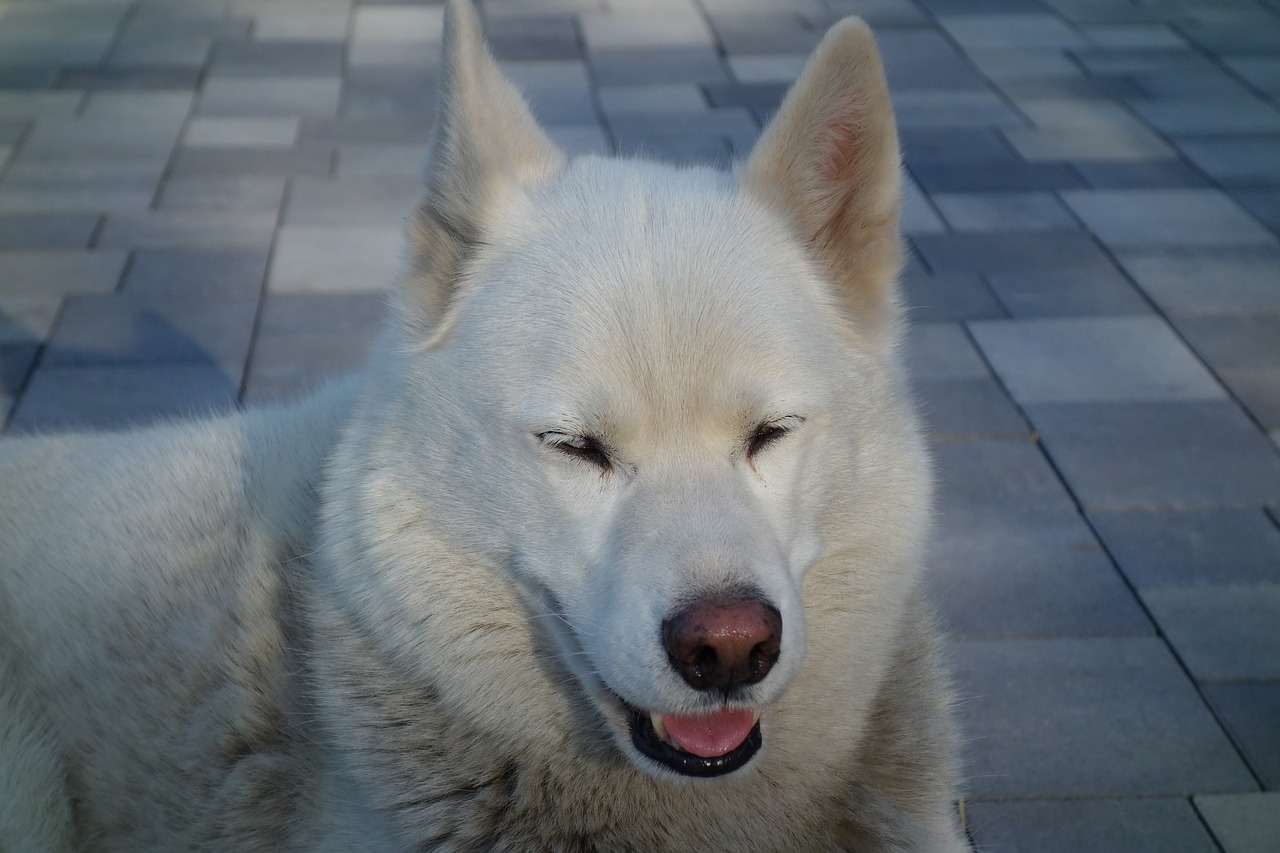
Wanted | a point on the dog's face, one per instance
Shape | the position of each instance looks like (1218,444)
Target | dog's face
(639,379)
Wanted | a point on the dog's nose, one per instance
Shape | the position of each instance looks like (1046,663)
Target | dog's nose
(723,644)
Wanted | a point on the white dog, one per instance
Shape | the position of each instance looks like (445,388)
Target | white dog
(613,546)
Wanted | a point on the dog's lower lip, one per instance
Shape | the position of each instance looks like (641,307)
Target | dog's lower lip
(646,740)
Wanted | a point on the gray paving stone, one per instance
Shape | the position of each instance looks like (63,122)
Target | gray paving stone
(16,360)
(997,476)
(120,329)
(328,259)
(259,193)
(1004,30)
(1146,825)
(62,193)
(1002,176)
(1243,823)
(246,161)
(1207,280)
(275,58)
(1258,36)
(375,160)
(27,319)
(1138,60)
(1061,251)
(942,351)
(1249,712)
(1237,162)
(46,230)
(922,146)
(1259,390)
(1230,342)
(651,98)
(102,137)
(119,396)
(742,33)
(1012,575)
(1222,633)
(1093,359)
(130,77)
(178,50)
(353,129)
(221,276)
(1166,217)
(389,92)
(968,409)
(925,59)
(1208,117)
(1019,86)
(540,37)
(1192,547)
(754,95)
(351,201)
(399,23)
(952,108)
(58,272)
(1133,455)
(240,132)
(1200,84)
(26,105)
(882,13)
(1003,211)
(1090,717)
(614,30)
(307,338)
(1067,294)
(188,227)
(1151,174)
(959,296)
(637,66)
(275,95)
(1263,205)
(1263,72)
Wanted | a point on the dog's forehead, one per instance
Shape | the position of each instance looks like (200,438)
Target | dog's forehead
(652,285)
(678,251)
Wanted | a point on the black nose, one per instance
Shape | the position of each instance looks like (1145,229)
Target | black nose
(723,644)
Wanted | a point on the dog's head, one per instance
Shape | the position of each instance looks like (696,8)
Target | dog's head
(657,395)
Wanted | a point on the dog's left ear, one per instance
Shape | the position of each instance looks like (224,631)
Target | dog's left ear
(829,161)
(486,148)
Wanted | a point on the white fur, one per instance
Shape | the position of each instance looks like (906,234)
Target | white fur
(396,616)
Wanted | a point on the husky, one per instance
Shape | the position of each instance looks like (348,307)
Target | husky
(614,545)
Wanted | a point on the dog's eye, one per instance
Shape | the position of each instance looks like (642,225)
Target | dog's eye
(582,447)
(766,434)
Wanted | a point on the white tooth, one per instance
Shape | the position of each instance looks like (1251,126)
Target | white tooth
(755,717)
(656,719)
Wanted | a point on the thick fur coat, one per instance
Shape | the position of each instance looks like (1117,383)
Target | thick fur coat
(424,609)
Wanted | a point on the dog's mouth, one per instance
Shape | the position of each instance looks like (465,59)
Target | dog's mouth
(701,745)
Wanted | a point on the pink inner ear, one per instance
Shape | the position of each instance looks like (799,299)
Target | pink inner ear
(839,142)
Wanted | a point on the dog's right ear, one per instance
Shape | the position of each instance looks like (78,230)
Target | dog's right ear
(486,147)
(829,162)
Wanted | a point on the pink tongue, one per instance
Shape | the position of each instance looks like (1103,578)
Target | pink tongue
(709,735)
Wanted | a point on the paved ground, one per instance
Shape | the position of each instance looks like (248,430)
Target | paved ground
(201,201)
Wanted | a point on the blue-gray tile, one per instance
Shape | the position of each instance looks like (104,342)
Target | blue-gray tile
(1243,823)
(1053,251)
(1250,713)
(1167,454)
(119,396)
(1093,359)
(1192,547)
(968,409)
(1067,294)
(1221,633)
(997,476)
(1006,575)
(1133,825)
(1088,717)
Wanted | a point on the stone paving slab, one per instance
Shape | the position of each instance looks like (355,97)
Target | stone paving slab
(202,204)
